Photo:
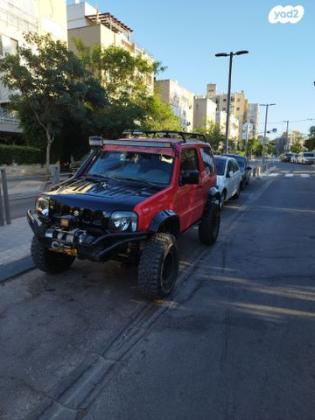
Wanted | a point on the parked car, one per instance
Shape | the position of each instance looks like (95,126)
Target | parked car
(229,177)
(129,201)
(309,158)
(244,167)
(287,157)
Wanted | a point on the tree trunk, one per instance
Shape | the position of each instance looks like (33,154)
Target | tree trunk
(50,140)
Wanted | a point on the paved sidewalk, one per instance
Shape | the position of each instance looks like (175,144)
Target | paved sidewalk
(25,187)
(15,240)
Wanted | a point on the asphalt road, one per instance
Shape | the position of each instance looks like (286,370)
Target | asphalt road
(235,341)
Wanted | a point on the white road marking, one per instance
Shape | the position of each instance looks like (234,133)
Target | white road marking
(289,175)
(274,174)
(305,175)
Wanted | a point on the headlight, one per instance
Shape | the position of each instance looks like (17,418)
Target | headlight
(123,221)
(42,206)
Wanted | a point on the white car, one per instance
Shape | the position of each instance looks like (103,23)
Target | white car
(229,177)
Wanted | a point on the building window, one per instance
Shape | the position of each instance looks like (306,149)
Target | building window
(238,108)
(223,109)
(7,45)
(224,99)
(232,99)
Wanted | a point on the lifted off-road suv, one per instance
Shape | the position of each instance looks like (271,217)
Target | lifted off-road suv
(129,201)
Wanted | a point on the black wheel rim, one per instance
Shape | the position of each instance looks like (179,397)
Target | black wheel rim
(169,271)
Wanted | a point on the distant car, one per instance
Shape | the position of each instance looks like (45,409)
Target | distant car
(245,169)
(287,157)
(229,177)
(309,158)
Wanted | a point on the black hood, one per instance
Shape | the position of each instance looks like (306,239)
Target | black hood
(102,195)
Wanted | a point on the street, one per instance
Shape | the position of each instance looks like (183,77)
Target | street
(235,340)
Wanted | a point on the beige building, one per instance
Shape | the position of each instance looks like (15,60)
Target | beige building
(253,120)
(234,127)
(16,18)
(102,29)
(239,104)
(180,99)
(204,112)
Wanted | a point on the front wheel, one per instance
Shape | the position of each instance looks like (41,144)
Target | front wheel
(48,261)
(210,225)
(158,267)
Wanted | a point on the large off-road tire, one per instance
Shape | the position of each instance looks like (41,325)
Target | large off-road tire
(48,261)
(210,225)
(158,267)
(223,199)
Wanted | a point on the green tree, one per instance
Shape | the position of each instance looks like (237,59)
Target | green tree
(310,142)
(296,147)
(160,116)
(51,87)
(254,147)
(128,81)
(213,136)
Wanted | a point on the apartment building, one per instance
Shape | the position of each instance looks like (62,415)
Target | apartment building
(93,28)
(16,18)
(253,119)
(234,127)
(204,112)
(180,99)
(238,108)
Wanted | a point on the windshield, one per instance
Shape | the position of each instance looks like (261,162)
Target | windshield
(133,166)
(309,155)
(220,165)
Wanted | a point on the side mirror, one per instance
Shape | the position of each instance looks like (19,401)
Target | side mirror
(189,177)
(248,168)
(229,174)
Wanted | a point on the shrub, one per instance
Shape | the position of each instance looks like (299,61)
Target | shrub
(19,154)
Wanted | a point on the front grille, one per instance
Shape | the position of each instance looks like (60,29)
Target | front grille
(85,217)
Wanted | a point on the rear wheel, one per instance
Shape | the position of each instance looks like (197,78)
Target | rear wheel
(158,267)
(210,225)
(48,261)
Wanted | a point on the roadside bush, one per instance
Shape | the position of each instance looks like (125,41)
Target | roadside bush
(19,154)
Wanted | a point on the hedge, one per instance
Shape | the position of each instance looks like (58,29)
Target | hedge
(19,154)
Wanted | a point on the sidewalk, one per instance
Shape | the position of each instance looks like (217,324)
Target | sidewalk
(25,187)
(15,242)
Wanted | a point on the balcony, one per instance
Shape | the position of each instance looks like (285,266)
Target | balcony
(9,124)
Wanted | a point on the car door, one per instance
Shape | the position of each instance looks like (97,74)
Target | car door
(237,175)
(208,173)
(188,200)
(230,180)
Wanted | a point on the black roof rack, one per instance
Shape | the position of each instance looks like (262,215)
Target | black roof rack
(183,135)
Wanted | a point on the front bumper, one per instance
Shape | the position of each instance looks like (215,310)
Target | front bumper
(80,243)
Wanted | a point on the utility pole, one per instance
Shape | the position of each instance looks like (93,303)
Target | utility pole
(265,130)
(227,128)
(287,135)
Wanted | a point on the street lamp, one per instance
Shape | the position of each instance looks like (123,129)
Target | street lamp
(231,54)
(265,130)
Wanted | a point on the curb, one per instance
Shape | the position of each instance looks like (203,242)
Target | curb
(16,268)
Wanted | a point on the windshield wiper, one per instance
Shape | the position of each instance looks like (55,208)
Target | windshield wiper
(96,177)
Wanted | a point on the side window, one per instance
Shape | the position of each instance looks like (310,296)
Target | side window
(208,160)
(189,160)
(229,167)
(235,166)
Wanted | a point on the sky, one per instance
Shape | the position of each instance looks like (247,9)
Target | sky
(184,35)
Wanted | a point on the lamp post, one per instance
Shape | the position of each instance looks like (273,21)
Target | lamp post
(231,55)
(265,129)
